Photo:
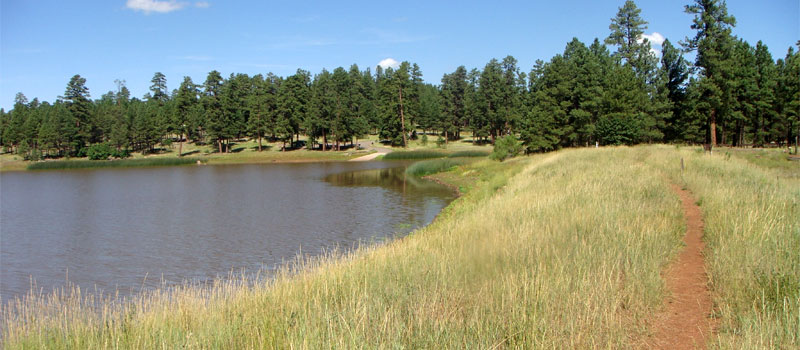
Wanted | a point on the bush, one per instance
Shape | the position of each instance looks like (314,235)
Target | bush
(441,142)
(424,140)
(122,153)
(100,151)
(506,147)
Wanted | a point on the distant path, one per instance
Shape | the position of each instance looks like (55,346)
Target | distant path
(685,323)
(378,152)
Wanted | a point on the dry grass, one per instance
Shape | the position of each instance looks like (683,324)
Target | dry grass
(567,253)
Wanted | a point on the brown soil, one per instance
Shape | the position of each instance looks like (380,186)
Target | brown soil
(685,321)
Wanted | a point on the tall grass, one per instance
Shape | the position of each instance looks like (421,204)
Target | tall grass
(468,154)
(122,163)
(418,154)
(432,166)
(752,226)
(567,254)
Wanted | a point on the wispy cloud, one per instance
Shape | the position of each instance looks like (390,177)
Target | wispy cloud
(301,42)
(389,62)
(387,37)
(148,6)
(162,6)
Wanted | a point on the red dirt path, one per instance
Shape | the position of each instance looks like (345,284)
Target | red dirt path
(685,322)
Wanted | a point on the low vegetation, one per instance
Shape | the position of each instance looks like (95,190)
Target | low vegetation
(468,154)
(120,163)
(559,250)
(427,167)
(416,154)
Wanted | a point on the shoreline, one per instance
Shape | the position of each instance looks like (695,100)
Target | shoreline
(226,159)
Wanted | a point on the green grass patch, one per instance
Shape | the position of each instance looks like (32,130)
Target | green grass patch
(432,166)
(420,154)
(122,163)
(468,154)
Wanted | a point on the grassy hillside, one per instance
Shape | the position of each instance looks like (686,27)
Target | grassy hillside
(561,250)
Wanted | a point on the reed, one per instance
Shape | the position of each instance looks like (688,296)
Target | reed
(468,154)
(418,154)
(432,166)
(120,163)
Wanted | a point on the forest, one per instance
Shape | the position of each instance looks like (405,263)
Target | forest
(734,93)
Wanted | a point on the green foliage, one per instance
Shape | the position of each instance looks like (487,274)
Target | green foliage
(506,147)
(421,154)
(618,129)
(100,151)
(432,166)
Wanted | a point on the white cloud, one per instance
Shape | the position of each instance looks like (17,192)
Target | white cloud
(655,52)
(202,4)
(148,6)
(655,39)
(389,62)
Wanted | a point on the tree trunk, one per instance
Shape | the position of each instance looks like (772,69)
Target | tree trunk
(180,146)
(402,118)
(219,143)
(712,128)
(324,140)
(259,142)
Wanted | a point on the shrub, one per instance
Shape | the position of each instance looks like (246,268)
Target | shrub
(441,142)
(100,151)
(506,147)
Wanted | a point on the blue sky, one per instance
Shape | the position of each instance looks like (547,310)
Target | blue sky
(45,42)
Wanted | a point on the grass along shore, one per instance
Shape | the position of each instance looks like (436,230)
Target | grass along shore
(246,152)
(560,250)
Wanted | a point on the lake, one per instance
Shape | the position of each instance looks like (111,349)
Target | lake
(126,229)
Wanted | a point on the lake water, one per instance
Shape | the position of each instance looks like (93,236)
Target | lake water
(124,229)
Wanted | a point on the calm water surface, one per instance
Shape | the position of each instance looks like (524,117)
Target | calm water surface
(122,229)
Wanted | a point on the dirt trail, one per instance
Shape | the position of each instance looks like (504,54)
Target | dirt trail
(685,322)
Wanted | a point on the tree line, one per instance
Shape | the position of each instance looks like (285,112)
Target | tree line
(734,93)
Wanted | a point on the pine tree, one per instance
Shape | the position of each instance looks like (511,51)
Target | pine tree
(713,43)
(185,102)
(212,106)
(674,72)
(78,103)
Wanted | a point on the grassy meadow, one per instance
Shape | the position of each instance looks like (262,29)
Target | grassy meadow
(558,250)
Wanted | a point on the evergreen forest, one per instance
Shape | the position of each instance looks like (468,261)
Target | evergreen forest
(612,91)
